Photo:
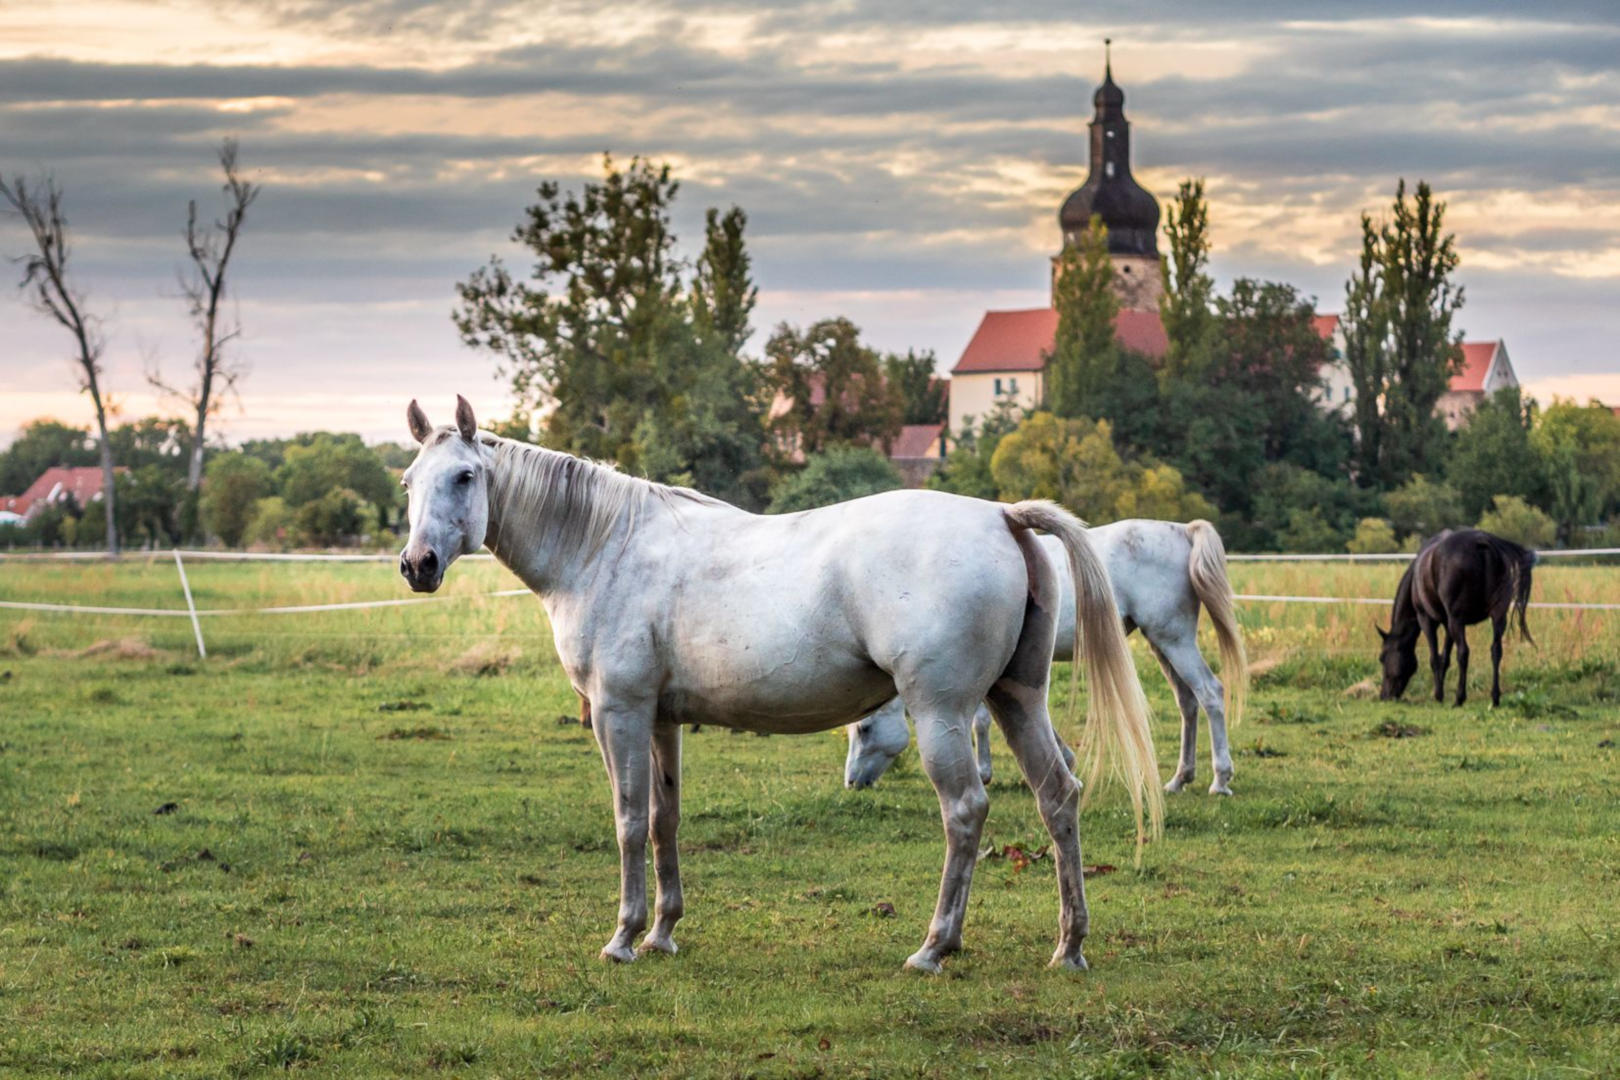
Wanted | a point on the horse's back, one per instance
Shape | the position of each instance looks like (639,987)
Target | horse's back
(1471,573)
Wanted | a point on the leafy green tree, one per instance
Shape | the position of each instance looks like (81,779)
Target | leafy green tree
(1422,507)
(1187,307)
(329,463)
(1514,519)
(1400,346)
(1083,349)
(723,290)
(830,389)
(232,488)
(832,476)
(1284,496)
(1494,454)
(1374,536)
(1580,448)
(606,341)
(921,391)
(41,445)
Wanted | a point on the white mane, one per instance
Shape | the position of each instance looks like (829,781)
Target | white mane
(569,501)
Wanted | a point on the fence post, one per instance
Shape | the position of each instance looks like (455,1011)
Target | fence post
(196,627)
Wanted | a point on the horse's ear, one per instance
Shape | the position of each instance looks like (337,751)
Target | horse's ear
(1382,633)
(418,422)
(466,423)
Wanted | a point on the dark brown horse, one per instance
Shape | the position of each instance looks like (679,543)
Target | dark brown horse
(1458,579)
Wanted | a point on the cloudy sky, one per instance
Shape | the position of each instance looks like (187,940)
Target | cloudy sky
(901,163)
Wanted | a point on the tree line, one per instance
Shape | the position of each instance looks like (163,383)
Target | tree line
(619,349)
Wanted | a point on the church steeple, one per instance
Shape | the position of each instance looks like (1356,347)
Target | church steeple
(1111,193)
(1131,214)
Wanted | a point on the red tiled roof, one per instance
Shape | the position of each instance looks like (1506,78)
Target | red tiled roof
(1020,340)
(1325,325)
(82,482)
(1477,357)
(917,441)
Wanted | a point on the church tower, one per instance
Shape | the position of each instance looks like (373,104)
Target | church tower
(1126,208)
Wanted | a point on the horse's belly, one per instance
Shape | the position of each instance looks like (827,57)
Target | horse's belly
(783,700)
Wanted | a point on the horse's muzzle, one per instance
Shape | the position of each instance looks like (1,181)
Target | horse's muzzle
(421,569)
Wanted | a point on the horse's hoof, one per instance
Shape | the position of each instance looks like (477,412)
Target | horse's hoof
(665,945)
(618,954)
(1218,788)
(1176,783)
(925,962)
(1074,961)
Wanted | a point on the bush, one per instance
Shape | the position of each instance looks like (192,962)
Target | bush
(271,523)
(1511,518)
(335,518)
(1423,507)
(232,489)
(845,472)
(1374,536)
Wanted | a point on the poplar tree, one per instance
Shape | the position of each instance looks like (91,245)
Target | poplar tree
(1186,308)
(1084,353)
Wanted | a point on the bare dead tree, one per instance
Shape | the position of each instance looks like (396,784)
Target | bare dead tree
(203,284)
(50,291)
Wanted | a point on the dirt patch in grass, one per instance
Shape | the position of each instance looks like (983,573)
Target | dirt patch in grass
(485,658)
(125,648)
(425,733)
(1394,729)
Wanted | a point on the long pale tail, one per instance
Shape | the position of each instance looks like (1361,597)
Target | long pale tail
(1117,719)
(1206,568)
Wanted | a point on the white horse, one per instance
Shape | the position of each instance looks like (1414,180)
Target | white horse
(670,607)
(1161,572)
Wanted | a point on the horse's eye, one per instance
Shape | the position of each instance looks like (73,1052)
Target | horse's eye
(465,477)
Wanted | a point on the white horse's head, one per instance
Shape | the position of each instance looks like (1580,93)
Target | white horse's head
(448,486)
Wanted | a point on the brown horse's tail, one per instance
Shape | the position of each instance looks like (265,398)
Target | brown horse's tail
(1521,591)
(1206,569)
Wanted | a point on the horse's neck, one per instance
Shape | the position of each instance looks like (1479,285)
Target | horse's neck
(545,556)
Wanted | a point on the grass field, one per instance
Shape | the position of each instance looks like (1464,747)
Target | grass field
(364,843)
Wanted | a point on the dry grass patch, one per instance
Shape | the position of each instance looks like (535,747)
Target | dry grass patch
(485,658)
(124,648)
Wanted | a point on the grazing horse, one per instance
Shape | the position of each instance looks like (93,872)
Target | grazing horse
(1162,571)
(1458,579)
(669,607)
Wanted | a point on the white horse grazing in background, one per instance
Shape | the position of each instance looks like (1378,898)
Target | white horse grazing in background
(1162,571)
(669,607)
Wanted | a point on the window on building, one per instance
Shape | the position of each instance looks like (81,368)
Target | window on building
(1108,169)
(998,387)
(1012,386)
(1347,393)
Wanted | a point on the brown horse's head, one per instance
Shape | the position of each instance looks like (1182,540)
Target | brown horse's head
(1399,659)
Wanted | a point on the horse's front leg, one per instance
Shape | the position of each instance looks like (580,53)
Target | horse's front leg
(624,733)
(1458,633)
(1498,628)
(666,821)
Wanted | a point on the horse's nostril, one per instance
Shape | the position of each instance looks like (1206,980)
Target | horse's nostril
(404,567)
(429,562)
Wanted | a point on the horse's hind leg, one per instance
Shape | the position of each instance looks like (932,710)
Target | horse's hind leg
(625,735)
(1191,668)
(1458,633)
(1021,712)
(945,744)
(1437,666)
(1187,702)
(981,741)
(1498,628)
(666,821)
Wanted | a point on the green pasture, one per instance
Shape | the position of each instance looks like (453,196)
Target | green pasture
(372,844)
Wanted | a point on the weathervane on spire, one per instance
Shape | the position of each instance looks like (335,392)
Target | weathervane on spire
(1108,56)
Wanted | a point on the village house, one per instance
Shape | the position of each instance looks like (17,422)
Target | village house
(1005,360)
(81,485)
